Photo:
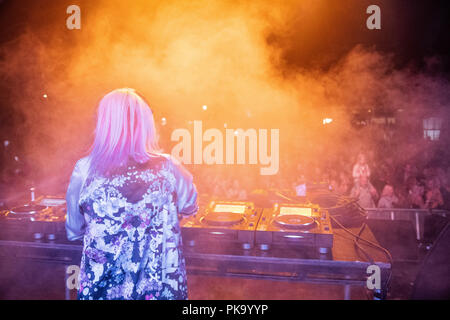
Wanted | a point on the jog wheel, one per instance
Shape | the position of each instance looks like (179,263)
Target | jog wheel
(222,219)
(292,221)
(28,209)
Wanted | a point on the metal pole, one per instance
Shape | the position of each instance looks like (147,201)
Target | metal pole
(347,292)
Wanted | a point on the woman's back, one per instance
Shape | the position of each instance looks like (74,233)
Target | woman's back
(132,239)
(124,200)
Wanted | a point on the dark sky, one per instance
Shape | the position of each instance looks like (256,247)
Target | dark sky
(411,29)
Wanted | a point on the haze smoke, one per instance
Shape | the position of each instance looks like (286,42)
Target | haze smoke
(181,56)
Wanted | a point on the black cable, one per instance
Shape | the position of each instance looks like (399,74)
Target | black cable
(357,237)
(362,212)
(343,201)
(385,251)
(358,247)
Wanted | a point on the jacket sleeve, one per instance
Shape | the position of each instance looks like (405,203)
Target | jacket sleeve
(186,191)
(75,223)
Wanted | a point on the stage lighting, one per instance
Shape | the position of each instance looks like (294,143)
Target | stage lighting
(45,96)
(205,107)
(163,121)
(327,121)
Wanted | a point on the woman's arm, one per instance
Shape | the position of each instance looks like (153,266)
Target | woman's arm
(75,223)
(185,189)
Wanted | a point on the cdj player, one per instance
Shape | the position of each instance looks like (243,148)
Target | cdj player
(41,220)
(294,225)
(222,223)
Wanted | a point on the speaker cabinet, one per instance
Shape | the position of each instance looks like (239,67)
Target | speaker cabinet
(433,279)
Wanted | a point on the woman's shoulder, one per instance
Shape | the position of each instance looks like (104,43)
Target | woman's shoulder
(82,165)
(83,161)
(165,158)
(174,164)
(81,170)
(158,161)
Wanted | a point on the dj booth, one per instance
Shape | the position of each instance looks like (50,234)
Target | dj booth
(342,266)
(225,239)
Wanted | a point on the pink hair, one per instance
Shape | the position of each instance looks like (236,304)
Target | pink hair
(125,130)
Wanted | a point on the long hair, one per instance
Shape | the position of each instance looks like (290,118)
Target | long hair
(125,131)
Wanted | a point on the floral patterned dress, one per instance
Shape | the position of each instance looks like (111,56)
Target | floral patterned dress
(129,224)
